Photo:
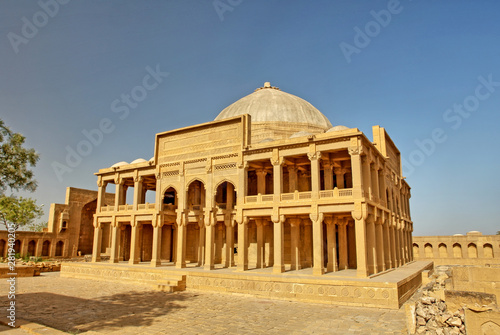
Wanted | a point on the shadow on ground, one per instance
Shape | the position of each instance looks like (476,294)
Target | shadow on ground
(71,314)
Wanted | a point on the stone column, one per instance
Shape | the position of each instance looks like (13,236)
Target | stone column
(315,173)
(229,243)
(387,244)
(357,172)
(343,260)
(361,255)
(397,244)
(380,246)
(134,243)
(261,181)
(351,245)
(277,178)
(230,196)
(292,178)
(339,176)
(328,174)
(368,192)
(118,193)
(331,240)
(181,242)
(201,242)
(157,230)
(243,244)
(371,241)
(137,192)
(209,242)
(96,247)
(219,243)
(260,243)
(279,259)
(381,183)
(374,178)
(295,244)
(394,247)
(115,241)
(318,256)
(101,194)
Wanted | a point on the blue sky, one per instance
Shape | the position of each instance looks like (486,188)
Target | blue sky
(406,66)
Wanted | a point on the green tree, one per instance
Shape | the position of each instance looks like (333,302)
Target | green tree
(15,174)
(19,211)
(38,226)
(15,161)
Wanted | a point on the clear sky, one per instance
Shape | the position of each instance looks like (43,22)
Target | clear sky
(427,71)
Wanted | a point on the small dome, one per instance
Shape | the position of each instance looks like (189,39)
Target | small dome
(119,164)
(337,128)
(138,160)
(266,140)
(301,134)
(458,235)
(151,159)
(474,232)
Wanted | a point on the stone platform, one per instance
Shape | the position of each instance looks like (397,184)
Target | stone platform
(389,289)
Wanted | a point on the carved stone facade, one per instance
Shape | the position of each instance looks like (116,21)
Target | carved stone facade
(69,232)
(327,199)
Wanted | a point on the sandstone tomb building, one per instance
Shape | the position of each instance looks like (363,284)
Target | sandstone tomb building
(270,183)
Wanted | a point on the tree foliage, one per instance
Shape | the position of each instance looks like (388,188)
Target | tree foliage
(19,211)
(15,161)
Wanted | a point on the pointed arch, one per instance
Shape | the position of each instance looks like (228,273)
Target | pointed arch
(164,189)
(195,179)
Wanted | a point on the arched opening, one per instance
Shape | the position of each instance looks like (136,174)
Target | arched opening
(170,200)
(17,247)
(488,250)
(416,253)
(2,248)
(59,248)
(225,196)
(146,242)
(260,178)
(428,250)
(31,248)
(457,250)
(443,250)
(86,238)
(196,196)
(472,250)
(46,248)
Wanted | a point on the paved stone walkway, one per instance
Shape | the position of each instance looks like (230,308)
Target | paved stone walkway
(78,306)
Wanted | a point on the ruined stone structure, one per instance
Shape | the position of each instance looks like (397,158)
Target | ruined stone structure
(69,229)
(268,184)
(471,249)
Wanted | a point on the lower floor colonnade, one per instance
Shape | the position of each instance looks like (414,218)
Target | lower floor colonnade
(322,242)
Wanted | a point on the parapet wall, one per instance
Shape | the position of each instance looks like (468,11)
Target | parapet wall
(471,249)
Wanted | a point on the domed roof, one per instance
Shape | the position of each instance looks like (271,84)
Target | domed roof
(270,104)
(122,163)
(337,128)
(300,134)
(138,160)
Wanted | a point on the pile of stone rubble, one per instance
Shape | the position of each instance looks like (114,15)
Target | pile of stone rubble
(433,317)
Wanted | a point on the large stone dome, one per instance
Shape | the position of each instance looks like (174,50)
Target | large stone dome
(277,114)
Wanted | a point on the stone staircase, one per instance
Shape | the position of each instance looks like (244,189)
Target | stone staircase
(172,283)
